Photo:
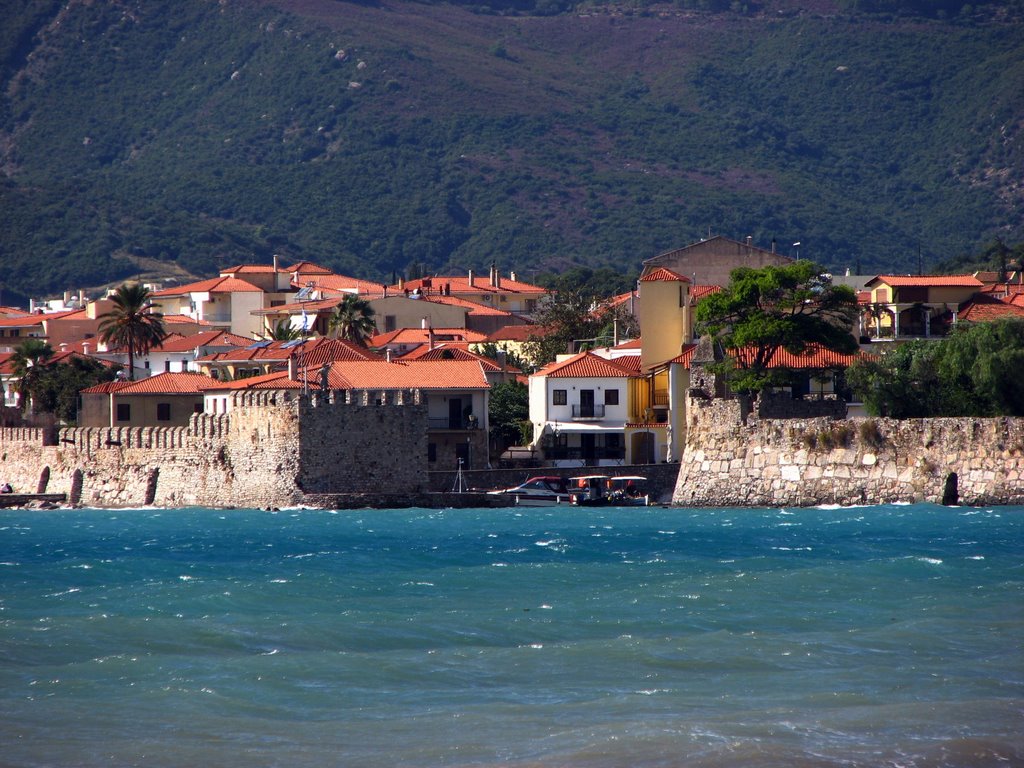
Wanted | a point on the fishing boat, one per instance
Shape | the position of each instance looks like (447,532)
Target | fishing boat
(629,491)
(612,491)
(541,491)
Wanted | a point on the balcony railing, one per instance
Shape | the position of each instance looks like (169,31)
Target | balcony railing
(575,453)
(593,411)
(443,422)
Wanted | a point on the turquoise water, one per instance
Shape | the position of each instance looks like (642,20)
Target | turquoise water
(873,636)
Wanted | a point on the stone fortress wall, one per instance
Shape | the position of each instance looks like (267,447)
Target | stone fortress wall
(737,456)
(274,449)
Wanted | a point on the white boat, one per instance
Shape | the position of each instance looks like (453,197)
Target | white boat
(590,490)
(538,492)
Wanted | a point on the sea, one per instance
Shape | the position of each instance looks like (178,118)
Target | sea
(527,637)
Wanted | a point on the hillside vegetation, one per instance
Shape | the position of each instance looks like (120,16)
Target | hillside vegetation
(372,137)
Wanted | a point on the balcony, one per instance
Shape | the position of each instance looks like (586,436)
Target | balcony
(577,453)
(444,422)
(581,412)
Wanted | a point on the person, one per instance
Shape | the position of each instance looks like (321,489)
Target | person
(630,488)
(6,488)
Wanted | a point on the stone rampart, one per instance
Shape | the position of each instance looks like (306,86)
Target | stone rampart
(274,449)
(729,461)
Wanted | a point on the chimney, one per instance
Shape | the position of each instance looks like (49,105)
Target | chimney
(385,291)
(494,276)
(512,276)
(387,354)
(277,265)
(430,338)
(81,297)
(750,240)
(471,278)
(423,323)
(67,298)
(773,245)
(401,283)
(85,347)
(502,358)
(291,368)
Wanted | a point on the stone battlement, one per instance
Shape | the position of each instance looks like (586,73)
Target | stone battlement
(275,448)
(737,459)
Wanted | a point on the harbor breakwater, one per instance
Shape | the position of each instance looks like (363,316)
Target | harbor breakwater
(735,458)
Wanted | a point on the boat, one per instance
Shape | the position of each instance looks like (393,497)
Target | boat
(629,491)
(590,490)
(543,491)
(611,491)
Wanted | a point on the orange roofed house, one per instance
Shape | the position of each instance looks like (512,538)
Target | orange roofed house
(164,400)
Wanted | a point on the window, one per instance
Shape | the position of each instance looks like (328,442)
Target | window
(124,412)
(390,323)
(611,397)
(559,397)
(163,411)
(167,365)
(198,407)
(431,451)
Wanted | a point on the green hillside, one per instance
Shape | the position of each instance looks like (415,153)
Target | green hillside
(372,137)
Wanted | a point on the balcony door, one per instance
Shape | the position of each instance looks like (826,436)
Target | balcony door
(455,413)
(587,403)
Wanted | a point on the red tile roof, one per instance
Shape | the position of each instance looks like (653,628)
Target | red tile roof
(698,292)
(982,308)
(161,384)
(308,268)
(423,374)
(927,281)
(816,357)
(454,351)
(309,352)
(213,285)
(377,374)
(176,342)
(586,365)
(422,336)
(340,283)
(662,274)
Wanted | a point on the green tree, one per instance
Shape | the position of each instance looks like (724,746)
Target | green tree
(973,372)
(791,307)
(132,323)
(352,320)
(56,389)
(28,362)
(508,411)
(564,319)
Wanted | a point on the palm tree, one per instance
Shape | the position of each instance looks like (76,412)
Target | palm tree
(353,320)
(29,357)
(132,323)
(284,331)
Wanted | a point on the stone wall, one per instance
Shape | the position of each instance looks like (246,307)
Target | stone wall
(802,462)
(274,449)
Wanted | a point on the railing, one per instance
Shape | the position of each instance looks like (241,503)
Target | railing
(660,397)
(443,422)
(593,411)
(556,453)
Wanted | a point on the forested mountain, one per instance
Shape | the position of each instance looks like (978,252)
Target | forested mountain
(146,136)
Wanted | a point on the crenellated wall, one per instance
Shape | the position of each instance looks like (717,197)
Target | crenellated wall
(729,461)
(273,449)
